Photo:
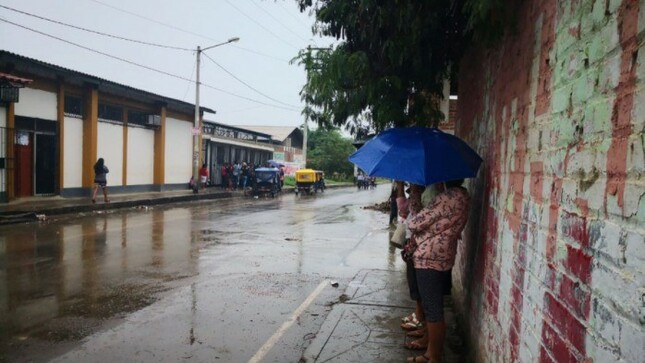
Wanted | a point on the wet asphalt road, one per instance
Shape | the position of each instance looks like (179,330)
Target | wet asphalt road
(234,280)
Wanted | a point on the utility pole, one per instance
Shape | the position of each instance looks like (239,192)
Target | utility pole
(309,65)
(304,143)
(197,126)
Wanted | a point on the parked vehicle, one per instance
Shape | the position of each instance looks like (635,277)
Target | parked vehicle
(309,180)
(267,182)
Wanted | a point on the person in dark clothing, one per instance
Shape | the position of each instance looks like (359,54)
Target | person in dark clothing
(100,179)
(394,210)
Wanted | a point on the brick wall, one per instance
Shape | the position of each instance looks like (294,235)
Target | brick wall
(552,265)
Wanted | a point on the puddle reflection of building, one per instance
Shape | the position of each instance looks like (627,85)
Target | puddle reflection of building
(157,226)
(45,267)
(30,285)
(90,259)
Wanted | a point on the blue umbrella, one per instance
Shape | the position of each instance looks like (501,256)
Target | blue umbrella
(417,155)
(275,164)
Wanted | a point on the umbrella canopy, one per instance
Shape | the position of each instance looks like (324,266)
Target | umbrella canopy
(275,164)
(417,155)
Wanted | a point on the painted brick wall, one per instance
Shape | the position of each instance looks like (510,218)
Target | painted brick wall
(552,266)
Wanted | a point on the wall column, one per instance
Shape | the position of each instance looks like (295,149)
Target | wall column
(11,138)
(160,151)
(61,136)
(124,177)
(90,135)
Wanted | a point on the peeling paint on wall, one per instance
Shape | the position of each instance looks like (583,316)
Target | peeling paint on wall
(552,267)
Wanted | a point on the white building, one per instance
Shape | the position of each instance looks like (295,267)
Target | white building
(63,120)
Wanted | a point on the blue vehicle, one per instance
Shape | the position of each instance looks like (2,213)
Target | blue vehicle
(267,182)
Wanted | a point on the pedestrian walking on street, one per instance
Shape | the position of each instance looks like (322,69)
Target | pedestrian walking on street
(100,179)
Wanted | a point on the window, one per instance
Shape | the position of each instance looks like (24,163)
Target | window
(110,112)
(74,106)
(144,119)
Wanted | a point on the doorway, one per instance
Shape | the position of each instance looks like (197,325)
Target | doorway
(23,150)
(35,157)
(45,160)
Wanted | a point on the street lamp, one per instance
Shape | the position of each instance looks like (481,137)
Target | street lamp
(197,125)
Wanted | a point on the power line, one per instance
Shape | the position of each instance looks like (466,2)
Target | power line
(154,21)
(94,31)
(289,13)
(187,31)
(142,66)
(260,54)
(250,99)
(261,26)
(239,110)
(246,84)
(278,21)
(189,83)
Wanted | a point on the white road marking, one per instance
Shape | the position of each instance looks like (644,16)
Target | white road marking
(262,352)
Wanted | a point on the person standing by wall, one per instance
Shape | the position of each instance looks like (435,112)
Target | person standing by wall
(224,171)
(203,176)
(437,229)
(100,179)
(244,176)
(237,170)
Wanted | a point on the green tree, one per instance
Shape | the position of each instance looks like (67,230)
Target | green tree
(393,56)
(327,150)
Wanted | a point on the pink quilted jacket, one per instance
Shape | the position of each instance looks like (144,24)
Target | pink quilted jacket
(437,229)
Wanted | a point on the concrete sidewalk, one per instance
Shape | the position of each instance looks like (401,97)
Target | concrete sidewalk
(29,209)
(366,326)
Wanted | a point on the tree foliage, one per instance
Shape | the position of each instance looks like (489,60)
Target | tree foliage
(327,150)
(391,61)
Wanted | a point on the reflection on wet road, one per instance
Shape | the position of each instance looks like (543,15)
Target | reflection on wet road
(202,281)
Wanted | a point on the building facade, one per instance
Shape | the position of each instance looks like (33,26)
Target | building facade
(229,144)
(287,143)
(65,120)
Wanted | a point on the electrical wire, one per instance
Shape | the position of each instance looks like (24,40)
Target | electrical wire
(260,54)
(278,21)
(187,31)
(143,66)
(94,31)
(289,13)
(153,20)
(250,99)
(246,84)
(219,113)
(189,83)
(260,25)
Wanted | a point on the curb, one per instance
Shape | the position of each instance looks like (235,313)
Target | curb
(24,216)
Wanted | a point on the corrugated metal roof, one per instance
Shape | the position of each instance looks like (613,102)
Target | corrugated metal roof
(238,128)
(278,133)
(11,78)
(22,64)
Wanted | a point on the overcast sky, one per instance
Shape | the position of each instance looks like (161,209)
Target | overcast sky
(271,33)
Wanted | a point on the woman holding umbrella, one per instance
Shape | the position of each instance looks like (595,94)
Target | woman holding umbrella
(437,229)
(426,156)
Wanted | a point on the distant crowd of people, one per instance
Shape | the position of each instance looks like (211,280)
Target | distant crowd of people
(365,182)
(236,175)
